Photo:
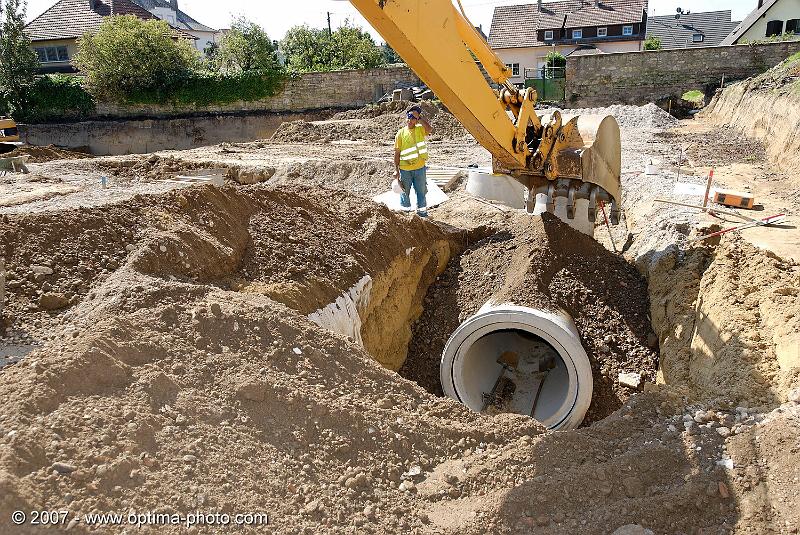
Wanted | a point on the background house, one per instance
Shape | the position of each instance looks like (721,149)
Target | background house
(167,10)
(522,36)
(771,17)
(686,30)
(54,34)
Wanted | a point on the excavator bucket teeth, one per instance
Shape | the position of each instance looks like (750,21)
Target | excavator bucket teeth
(586,149)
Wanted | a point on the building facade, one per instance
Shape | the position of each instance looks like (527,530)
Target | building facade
(770,18)
(167,10)
(522,36)
(54,34)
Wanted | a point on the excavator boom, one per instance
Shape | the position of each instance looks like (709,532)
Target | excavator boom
(571,157)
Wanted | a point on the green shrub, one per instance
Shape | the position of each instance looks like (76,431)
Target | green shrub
(129,55)
(652,43)
(245,47)
(205,88)
(694,96)
(313,50)
(56,97)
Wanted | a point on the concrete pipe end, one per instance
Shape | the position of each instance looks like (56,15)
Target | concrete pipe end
(508,358)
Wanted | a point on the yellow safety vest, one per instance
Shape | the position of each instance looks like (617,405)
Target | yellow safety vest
(412,147)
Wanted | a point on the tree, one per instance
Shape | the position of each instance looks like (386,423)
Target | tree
(389,55)
(652,43)
(18,61)
(554,64)
(129,56)
(246,47)
(310,49)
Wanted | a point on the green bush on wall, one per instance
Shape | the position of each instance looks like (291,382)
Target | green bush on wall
(205,88)
(56,97)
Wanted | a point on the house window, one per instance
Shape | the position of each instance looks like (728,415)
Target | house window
(698,38)
(514,68)
(52,54)
(627,30)
(602,32)
(548,35)
(793,26)
(774,27)
(577,34)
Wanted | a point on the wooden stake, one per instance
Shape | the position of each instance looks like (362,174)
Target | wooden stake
(708,189)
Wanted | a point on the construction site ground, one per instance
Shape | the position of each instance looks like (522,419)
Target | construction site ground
(158,351)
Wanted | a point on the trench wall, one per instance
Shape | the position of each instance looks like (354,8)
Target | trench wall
(656,76)
(118,129)
(762,114)
(112,137)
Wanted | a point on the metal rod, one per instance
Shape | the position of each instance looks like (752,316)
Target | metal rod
(760,223)
(608,225)
(712,210)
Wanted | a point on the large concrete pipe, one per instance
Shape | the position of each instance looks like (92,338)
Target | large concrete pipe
(524,360)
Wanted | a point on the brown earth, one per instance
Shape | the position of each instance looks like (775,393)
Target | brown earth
(47,153)
(542,263)
(374,123)
(184,374)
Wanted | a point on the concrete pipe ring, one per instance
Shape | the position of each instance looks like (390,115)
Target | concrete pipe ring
(519,359)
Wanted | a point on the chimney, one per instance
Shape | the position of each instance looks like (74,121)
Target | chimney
(539,4)
(92,4)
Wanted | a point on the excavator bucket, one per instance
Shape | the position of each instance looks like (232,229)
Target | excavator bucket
(578,158)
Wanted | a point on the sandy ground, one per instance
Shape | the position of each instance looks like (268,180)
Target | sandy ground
(175,367)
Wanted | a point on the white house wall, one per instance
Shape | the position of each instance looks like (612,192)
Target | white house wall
(782,10)
(204,39)
(534,57)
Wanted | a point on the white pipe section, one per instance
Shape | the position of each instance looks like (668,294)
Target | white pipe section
(557,393)
(580,222)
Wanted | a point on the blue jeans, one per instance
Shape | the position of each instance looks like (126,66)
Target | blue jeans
(419,180)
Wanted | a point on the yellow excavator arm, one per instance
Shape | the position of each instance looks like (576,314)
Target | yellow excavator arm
(560,156)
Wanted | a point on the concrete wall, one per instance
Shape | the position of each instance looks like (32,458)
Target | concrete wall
(655,76)
(150,135)
(311,91)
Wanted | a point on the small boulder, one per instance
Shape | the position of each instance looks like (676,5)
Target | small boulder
(53,301)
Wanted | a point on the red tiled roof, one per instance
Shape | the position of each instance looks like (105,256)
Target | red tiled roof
(69,19)
(516,26)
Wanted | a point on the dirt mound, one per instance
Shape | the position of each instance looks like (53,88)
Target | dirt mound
(543,263)
(152,167)
(396,107)
(648,116)
(46,153)
(366,178)
(171,389)
(373,123)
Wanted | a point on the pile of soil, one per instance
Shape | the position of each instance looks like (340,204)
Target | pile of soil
(543,263)
(46,153)
(372,123)
(152,167)
(649,116)
(366,178)
(168,391)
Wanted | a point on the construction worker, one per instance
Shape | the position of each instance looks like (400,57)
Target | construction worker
(410,157)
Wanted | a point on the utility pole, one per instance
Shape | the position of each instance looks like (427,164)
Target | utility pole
(330,32)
